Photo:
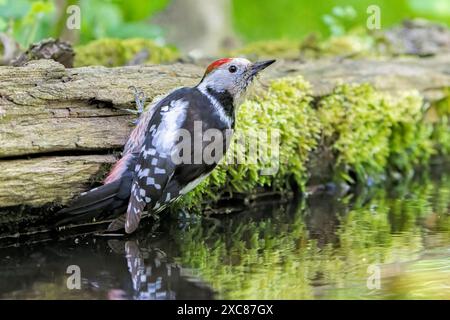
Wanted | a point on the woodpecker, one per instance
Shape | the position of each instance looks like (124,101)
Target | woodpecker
(147,177)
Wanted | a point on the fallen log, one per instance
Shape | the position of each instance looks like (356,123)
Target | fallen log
(59,126)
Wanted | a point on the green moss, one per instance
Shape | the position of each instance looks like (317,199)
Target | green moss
(117,52)
(369,132)
(359,44)
(441,128)
(287,49)
(355,43)
(284,111)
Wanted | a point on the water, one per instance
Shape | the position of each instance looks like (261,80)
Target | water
(325,247)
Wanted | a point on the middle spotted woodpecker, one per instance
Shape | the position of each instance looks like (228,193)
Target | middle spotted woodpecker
(156,168)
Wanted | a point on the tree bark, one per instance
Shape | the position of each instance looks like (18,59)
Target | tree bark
(59,126)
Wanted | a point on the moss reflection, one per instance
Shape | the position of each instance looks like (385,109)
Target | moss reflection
(284,256)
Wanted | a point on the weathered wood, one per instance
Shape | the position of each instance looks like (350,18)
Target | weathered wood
(52,113)
(427,75)
(44,180)
(46,108)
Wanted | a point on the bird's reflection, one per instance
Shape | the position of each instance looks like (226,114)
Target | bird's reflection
(142,267)
(110,269)
(151,274)
(182,258)
(154,276)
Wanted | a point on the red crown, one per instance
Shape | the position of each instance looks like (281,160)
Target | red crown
(217,64)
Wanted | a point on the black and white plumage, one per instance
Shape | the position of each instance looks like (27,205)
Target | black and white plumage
(147,176)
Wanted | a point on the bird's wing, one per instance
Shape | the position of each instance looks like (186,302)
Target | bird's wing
(154,167)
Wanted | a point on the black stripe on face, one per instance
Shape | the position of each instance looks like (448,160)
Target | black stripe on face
(225,99)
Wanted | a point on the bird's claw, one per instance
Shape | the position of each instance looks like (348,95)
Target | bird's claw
(139,99)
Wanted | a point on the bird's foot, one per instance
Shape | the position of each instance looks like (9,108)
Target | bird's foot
(139,99)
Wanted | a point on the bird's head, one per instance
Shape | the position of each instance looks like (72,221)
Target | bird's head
(232,75)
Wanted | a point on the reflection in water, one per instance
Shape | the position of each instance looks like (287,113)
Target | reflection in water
(153,277)
(110,269)
(319,248)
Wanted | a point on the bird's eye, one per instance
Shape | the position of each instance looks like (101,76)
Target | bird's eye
(232,69)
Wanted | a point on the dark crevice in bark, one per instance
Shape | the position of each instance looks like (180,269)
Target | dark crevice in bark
(64,153)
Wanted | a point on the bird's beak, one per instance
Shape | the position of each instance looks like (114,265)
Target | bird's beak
(259,66)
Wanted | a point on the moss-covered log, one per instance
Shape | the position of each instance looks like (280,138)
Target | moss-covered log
(58,125)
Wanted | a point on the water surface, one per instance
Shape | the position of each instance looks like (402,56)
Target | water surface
(324,247)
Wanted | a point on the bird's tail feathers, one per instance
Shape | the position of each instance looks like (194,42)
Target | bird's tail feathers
(98,202)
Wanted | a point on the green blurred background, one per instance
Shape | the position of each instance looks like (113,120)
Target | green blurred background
(250,20)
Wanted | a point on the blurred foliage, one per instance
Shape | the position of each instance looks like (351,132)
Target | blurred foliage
(295,19)
(26,20)
(403,229)
(417,37)
(33,20)
(30,21)
(120,19)
(355,43)
(118,52)
(340,20)
(287,49)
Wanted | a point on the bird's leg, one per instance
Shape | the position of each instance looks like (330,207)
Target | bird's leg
(139,98)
